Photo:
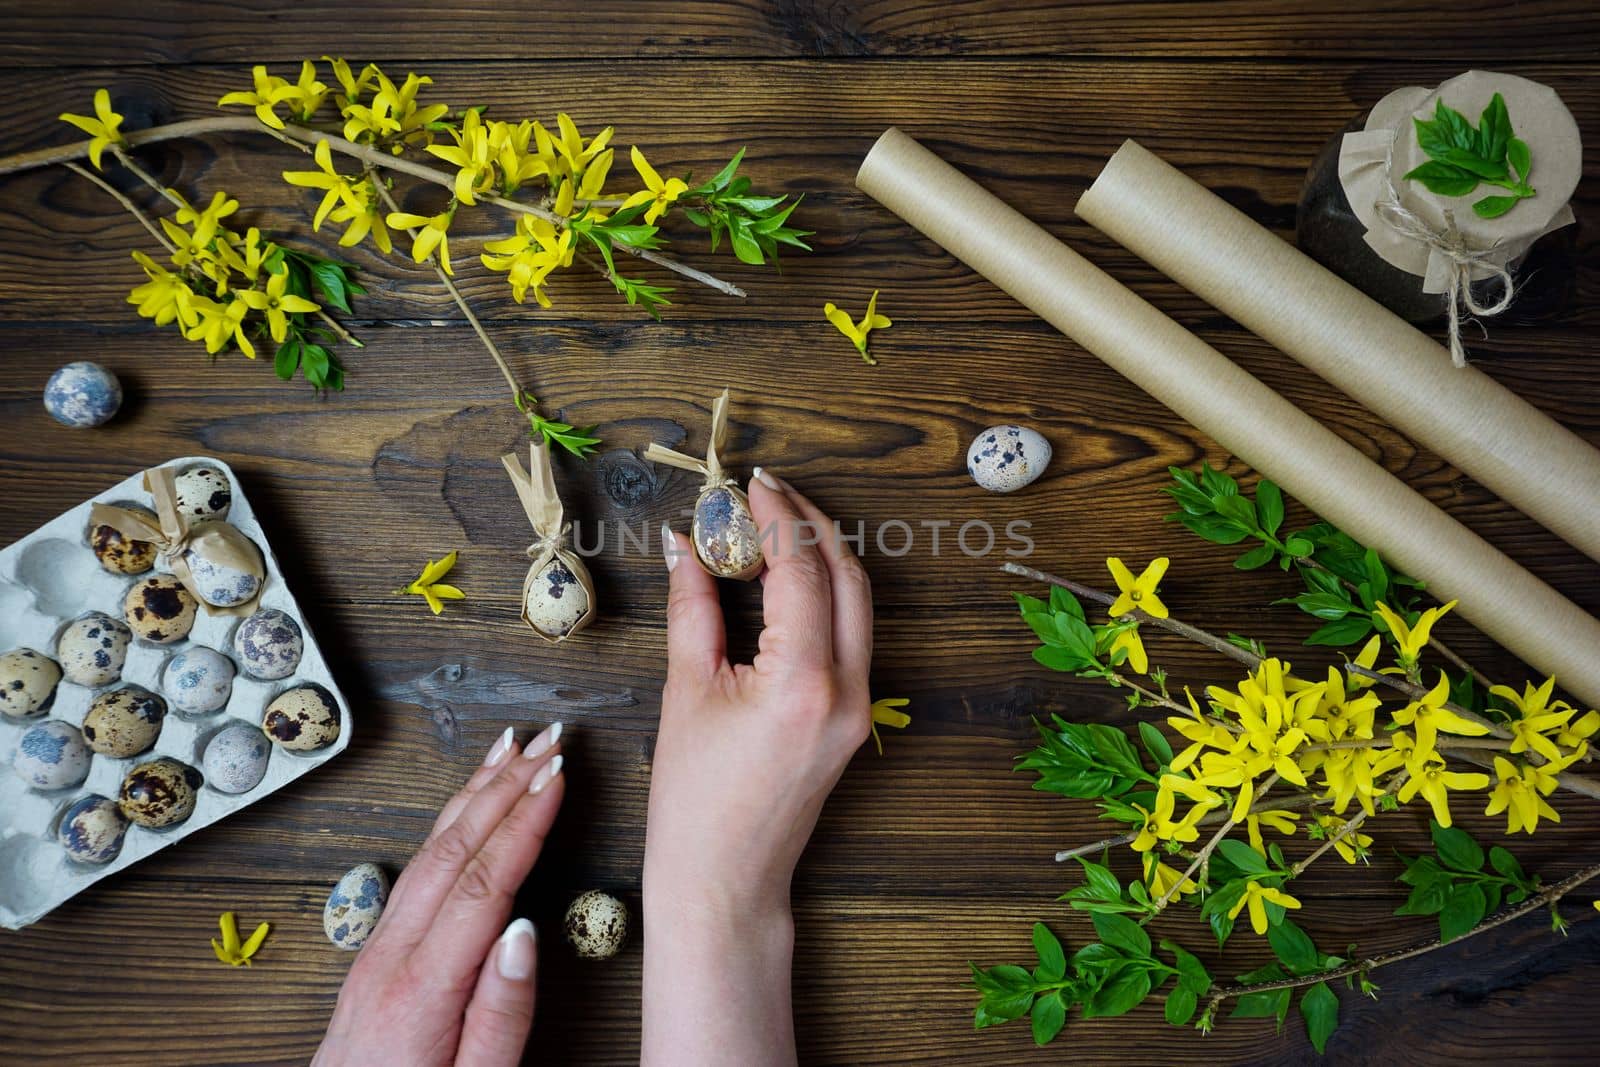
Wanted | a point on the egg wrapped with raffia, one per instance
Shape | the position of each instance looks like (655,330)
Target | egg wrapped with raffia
(723,532)
(557,594)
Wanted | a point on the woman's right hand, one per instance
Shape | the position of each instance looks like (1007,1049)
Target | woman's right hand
(745,757)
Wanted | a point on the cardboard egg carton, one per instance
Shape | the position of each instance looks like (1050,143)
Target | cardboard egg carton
(48,579)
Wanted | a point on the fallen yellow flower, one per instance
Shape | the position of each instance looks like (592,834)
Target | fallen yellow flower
(429,588)
(229,950)
(884,714)
(857,332)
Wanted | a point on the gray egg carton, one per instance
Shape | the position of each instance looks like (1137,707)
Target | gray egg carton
(52,577)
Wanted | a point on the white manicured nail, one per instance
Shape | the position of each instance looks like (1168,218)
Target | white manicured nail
(543,743)
(518,949)
(499,750)
(669,547)
(766,478)
(546,775)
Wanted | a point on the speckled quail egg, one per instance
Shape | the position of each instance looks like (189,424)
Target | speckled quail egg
(202,493)
(597,925)
(91,829)
(91,650)
(302,719)
(52,755)
(28,682)
(119,554)
(124,722)
(355,905)
(236,758)
(198,680)
(220,585)
(557,600)
(724,533)
(159,609)
(269,645)
(159,793)
(1003,459)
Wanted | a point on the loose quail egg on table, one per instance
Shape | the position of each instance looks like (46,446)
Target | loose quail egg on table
(92,650)
(28,682)
(139,719)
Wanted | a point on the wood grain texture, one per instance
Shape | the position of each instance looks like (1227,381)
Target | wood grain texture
(931,855)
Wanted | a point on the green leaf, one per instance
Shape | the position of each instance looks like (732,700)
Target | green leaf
(1242,856)
(1257,557)
(1191,972)
(1320,1008)
(1505,863)
(1456,848)
(1492,207)
(1464,909)
(1122,933)
(1062,600)
(1122,993)
(1346,631)
(1520,158)
(1180,1005)
(1049,1016)
(1269,505)
(1472,163)
(1329,606)
(1299,547)
(1273,1002)
(1052,957)
(1443,178)
(1294,947)
(287,358)
(1237,508)
(1155,743)
(1494,129)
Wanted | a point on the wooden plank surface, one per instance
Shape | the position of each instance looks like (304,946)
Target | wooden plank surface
(928,856)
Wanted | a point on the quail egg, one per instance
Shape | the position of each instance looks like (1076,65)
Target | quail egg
(236,757)
(202,493)
(124,722)
(52,755)
(159,793)
(1003,459)
(198,680)
(91,650)
(724,534)
(27,683)
(82,394)
(597,925)
(355,905)
(159,609)
(302,719)
(119,554)
(91,829)
(269,645)
(220,585)
(557,600)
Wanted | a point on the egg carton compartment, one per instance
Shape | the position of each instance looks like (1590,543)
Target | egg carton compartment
(49,579)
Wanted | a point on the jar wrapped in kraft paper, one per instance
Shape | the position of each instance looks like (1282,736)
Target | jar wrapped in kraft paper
(214,560)
(724,534)
(557,595)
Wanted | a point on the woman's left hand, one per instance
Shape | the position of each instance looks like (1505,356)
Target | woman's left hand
(444,979)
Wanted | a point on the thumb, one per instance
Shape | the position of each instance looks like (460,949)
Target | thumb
(696,638)
(500,1015)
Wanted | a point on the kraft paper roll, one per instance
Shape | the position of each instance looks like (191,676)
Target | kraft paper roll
(1237,410)
(1308,312)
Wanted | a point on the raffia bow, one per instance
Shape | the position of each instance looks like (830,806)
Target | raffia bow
(711,466)
(536,489)
(176,538)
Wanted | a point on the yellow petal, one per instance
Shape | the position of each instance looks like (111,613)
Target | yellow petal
(652,180)
(1121,575)
(434,571)
(230,933)
(841,321)
(447,592)
(249,948)
(221,955)
(433,602)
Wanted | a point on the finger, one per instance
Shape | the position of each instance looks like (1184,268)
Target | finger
(426,881)
(500,1015)
(851,588)
(505,745)
(797,603)
(697,640)
(477,906)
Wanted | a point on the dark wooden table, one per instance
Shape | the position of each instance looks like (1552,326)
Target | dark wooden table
(931,855)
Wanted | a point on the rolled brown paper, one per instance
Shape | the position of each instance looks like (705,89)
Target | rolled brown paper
(1305,310)
(1244,416)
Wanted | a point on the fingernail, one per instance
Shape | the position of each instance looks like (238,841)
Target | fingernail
(669,547)
(518,947)
(768,479)
(546,775)
(543,743)
(499,750)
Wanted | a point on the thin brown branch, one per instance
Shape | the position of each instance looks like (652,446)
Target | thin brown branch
(1351,826)
(133,209)
(1539,900)
(1205,853)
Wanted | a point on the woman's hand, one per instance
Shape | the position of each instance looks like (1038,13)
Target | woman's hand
(439,982)
(745,757)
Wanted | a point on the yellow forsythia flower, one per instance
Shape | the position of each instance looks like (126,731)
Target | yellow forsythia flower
(1410,640)
(431,235)
(1138,592)
(277,304)
(858,331)
(164,297)
(885,713)
(430,588)
(103,129)
(657,193)
(1428,717)
(1256,898)
(229,950)
(269,91)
